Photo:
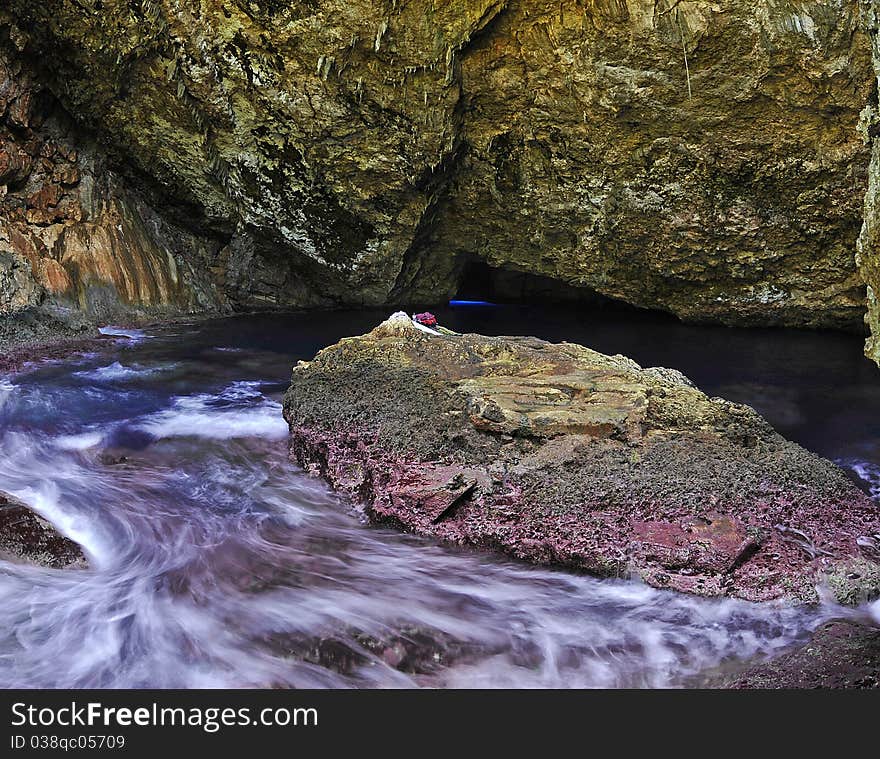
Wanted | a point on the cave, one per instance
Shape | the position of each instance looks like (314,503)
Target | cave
(478,281)
(399,345)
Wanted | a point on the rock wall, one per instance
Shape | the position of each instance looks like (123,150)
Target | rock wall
(868,248)
(72,233)
(699,157)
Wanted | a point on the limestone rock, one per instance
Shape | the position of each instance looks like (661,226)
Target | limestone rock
(557,454)
(698,157)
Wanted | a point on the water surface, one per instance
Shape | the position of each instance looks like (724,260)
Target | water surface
(216,563)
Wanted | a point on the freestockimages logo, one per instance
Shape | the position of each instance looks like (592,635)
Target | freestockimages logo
(209,719)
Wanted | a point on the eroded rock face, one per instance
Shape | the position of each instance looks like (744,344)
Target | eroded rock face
(868,248)
(27,537)
(72,232)
(557,454)
(695,156)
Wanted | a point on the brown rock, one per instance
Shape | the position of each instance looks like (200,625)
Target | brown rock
(92,244)
(66,174)
(46,197)
(698,157)
(558,454)
(54,277)
(840,654)
(15,163)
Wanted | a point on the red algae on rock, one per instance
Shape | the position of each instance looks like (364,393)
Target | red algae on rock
(557,454)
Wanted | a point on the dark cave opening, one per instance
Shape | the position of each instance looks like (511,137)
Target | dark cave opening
(477,281)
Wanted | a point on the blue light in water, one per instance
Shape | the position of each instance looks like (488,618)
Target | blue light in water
(470,303)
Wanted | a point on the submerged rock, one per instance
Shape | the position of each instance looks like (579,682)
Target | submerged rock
(27,537)
(557,454)
(841,654)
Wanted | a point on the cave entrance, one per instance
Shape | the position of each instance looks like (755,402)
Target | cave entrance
(479,282)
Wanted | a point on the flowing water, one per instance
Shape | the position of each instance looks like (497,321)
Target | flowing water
(214,562)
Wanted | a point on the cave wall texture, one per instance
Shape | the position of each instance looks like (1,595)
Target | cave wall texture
(711,159)
(71,231)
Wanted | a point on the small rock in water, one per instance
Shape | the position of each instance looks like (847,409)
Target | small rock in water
(27,537)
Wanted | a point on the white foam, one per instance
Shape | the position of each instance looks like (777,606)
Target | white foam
(238,411)
(45,501)
(868,472)
(873,610)
(131,334)
(80,442)
(6,391)
(117,371)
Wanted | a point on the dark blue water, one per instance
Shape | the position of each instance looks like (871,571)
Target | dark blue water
(216,563)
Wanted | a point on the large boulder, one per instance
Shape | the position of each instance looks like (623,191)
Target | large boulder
(699,157)
(557,454)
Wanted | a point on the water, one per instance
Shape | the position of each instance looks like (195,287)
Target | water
(216,563)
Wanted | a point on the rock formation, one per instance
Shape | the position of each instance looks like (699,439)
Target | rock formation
(708,159)
(868,248)
(841,654)
(558,454)
(72,234)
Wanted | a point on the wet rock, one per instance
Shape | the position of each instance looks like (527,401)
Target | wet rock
(557,454)
(841,654)
(40,333)
(416,651)
(27,537)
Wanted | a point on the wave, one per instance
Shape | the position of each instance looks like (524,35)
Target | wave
(240,410)
(117,372)
(135,335)
(867,471)
(6,391)
(80,442)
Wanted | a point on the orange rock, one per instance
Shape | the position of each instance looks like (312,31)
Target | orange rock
(118,251)
(25,246)
(54,277)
